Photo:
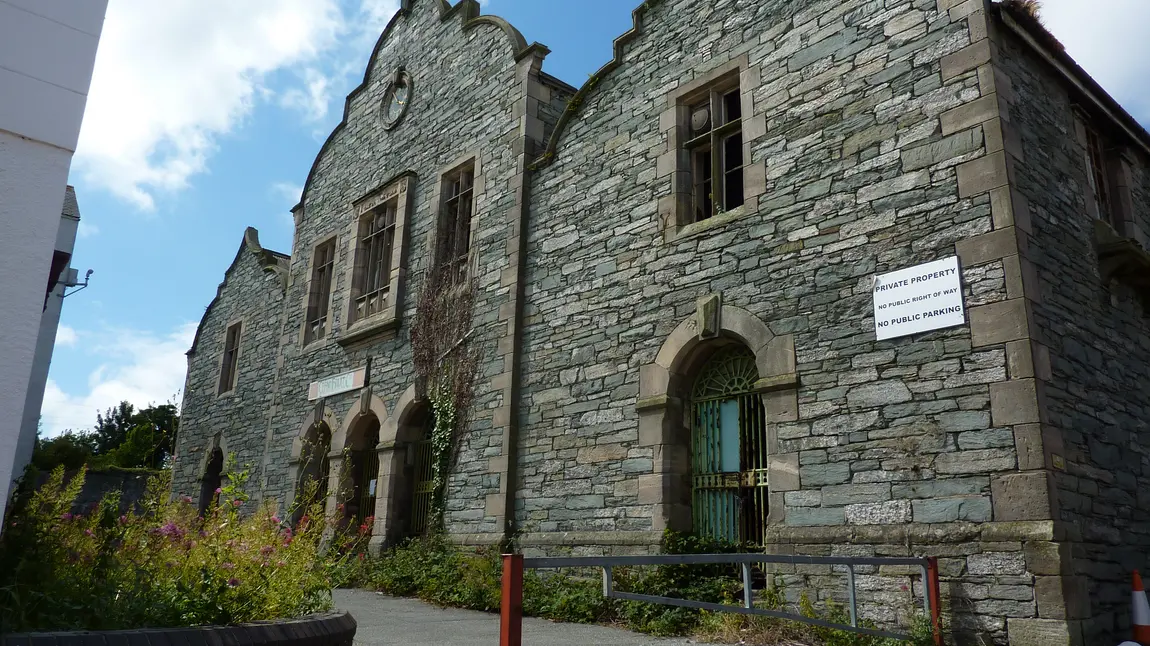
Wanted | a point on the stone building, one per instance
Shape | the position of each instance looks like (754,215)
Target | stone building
(678,266)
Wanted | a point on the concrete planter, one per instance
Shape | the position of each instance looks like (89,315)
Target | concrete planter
(329,629)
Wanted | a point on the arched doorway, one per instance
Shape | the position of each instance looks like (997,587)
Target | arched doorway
(363,470)
(314,470)
(729,497)
(212,480)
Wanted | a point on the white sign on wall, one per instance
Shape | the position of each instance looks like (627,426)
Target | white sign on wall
(919,299)
(337,384)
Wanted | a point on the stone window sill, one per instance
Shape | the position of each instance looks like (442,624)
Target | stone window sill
(703,227)
(367,328)
(1121,258)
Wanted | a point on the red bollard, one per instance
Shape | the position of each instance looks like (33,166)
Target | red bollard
(511,607)
(932,589)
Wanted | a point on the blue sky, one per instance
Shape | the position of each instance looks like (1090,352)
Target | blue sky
(205,115)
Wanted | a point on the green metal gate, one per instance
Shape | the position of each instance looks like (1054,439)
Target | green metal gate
(729,450)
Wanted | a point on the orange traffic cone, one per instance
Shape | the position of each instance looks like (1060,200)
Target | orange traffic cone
(1141,612)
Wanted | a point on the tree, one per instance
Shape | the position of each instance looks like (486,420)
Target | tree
(149,440)
(112,427)
(122,437)
(70,449)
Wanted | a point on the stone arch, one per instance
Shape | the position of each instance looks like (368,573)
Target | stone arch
(368,405)
(359,475)
(321,415)
(664,422)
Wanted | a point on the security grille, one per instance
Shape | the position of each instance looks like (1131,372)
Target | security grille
(366,480)
(423,487)
(729,450)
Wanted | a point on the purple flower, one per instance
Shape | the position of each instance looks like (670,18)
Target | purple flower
(65,516)
(267,549)
(219,490)
(276,520)
(123,519)
(88,532)
(228,566)
(186,499)
(233,582)
(237,503)
(172,531)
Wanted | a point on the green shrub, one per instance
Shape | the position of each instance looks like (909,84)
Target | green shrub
(162,566)
(435,570)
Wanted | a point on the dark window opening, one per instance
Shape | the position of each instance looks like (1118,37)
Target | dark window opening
(372,277)
(455,223)
(211,482)
(716,149)
(1099,175)
(320,291)
(312,487)
(231,357)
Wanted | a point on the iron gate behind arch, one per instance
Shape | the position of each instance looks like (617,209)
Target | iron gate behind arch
(729,450)
(366,460)
(423,486)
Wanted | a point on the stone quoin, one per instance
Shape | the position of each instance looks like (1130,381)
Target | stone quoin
(675,269)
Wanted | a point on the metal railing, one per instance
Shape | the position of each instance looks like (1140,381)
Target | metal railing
(511,608)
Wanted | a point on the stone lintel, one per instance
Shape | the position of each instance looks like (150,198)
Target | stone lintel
(1015,402)
(655,402)
(1047,557)
(1062,597)
(999,322)
(1022,530)
(1022,496)
(966,59)
(495,504)
(1020,359)
(1041,632)
(1010,208)
(779,359)
(987,247)
(969,115)
(782,405)
(777,382)
(783,472)
(983,174)
(654,380)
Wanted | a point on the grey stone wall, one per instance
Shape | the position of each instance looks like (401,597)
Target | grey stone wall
(1099,341)
(252,294)
(893,442)
(879,135)
(463,103)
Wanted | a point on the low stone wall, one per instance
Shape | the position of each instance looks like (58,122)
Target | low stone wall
(131,483)
(331,629)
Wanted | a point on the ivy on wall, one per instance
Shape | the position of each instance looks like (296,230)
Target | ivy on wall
(446,364)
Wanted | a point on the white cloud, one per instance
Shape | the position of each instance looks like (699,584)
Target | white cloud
(287,192)
(66,336)
(1108,39)
(86,229)
(288,195)
(139,367)
(172,76)
(313,98)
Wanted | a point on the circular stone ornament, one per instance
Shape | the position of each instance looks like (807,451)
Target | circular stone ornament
(396,99)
